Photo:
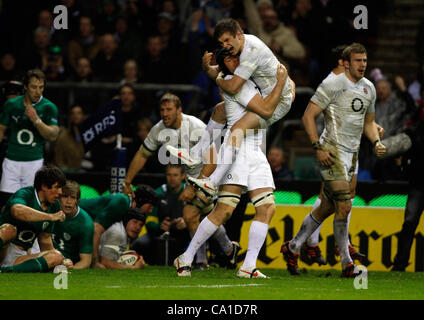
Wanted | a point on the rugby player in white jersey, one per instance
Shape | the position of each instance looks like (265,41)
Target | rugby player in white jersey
(311,251)
(250,171)
(348,103)
(257,63)
(179,129)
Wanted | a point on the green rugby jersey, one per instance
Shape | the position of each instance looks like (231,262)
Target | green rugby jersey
(25,142)
(74,236)
(106,210)
(28,231)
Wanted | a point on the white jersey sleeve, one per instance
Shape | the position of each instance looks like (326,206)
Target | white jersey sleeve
(326,92)
(247,92)
(151,142)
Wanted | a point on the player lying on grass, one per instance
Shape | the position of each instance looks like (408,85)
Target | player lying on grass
(74,236)
(117,238)
(29,214)
(250,171)
(106,210)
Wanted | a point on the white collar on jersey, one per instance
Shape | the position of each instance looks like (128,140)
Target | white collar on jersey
(34,104)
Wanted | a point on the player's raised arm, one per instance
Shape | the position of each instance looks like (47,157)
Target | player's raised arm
(266,107)
(231,86)
(212,71)
(28,214)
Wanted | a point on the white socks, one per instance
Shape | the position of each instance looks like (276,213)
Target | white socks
(257,235)
(205,229)
(309,225)
(226,157)
(206,139)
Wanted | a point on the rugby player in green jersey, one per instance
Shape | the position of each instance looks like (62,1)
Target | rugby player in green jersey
(109,209)
(30,214)
(74,236)
(32,120)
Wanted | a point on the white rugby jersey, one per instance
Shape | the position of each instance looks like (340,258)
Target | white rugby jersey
(235,107)
(186,137)
(259,63)
(345,104)
(114,241)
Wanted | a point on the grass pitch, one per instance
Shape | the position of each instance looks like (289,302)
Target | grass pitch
(162,283)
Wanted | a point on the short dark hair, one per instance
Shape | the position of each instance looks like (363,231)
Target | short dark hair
(48,176)
(168,97)
(145,194)
(176,166)
(229,25)
(353,48)
(336,54)
(70,187)
(220,56)
(128,85)
(34,73)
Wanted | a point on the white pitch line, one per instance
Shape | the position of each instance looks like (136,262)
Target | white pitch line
(196,286)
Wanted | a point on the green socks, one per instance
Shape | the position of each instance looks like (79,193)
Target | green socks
(33,265)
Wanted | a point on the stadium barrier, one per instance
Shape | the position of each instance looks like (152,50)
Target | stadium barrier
(373,231)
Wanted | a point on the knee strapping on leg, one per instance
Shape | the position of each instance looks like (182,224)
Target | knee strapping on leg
(263,198)
(339,195)
(228,198)
(204,206)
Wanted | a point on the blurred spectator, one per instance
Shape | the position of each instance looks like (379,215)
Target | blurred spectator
(263,6)
(280,39)
(54,67)
(105,20)
(86,97)
(36,56)
(74,14)
(156,65)
(166,217)
(86,44)
(170,7)
(107,65)
(169,33)
(129,43)
(130,114)
(8,68)
(277,161)
(143,128)
(131,74)
(393,109)
(139,16)
(416,86)
(68,148)
(57,37)
(392,112)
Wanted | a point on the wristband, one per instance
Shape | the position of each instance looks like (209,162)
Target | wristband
(37,121)
(316,145)
(375,142)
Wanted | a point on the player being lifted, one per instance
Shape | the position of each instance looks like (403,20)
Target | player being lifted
(250,171)
(258,63)
(348,103)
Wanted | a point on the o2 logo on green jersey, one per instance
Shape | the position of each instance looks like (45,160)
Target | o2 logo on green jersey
(26,236)
(26,137)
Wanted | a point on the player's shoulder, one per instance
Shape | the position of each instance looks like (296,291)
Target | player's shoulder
(252,46)
(13,102)
(47,103)
(335,82)
(85,217)
(195,122)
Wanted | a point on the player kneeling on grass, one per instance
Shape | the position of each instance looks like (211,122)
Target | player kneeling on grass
(116,239)
(74,236)
(30,214)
